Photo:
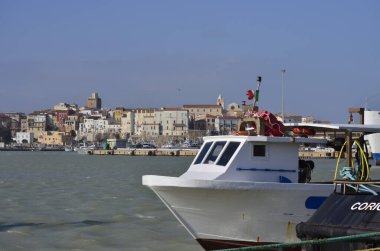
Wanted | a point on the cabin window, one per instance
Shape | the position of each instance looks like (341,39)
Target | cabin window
(259,150)
(227,154)
(215,151)
(202,153)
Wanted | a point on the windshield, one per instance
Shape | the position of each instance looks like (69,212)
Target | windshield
(202,153)
(215,151)
(227,154)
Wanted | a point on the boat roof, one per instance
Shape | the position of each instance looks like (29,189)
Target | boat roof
(338,127)
(260,138)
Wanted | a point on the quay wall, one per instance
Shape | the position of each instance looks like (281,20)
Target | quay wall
(193,152)
(145,152)
(319,155)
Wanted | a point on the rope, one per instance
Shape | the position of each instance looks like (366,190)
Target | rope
(364,163)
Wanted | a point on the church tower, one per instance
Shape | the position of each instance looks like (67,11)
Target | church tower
(94,102)
(220,101)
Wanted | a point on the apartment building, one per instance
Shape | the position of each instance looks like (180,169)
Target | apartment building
(16,118)
(54,138)
(143,116)
(149,129)
(172,121)
(60,118)
(72,122)
(127,124)
(118,114)
(93,125)
(37,123)
(200,110)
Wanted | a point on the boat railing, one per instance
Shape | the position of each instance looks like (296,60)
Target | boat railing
(356,185)
(308,243)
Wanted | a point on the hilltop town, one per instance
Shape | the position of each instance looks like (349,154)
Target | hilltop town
(68,124)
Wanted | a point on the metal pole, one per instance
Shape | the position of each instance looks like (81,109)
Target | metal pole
(259,78)
(282,95)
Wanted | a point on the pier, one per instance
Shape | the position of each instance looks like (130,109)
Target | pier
(318,155)
(193,152)
(145,152)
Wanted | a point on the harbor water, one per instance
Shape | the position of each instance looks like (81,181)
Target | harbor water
(67,201)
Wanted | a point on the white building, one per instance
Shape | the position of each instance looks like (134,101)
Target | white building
(113,128)
(173,121)
(128,124)
(143,116)
(152,129)
(24,136)
(93,125)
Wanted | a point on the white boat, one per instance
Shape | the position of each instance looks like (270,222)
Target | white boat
(69,148)
(245,190)
(83,149)
(168,146)
(373,118)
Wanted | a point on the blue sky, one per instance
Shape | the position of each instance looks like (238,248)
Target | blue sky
(165,53)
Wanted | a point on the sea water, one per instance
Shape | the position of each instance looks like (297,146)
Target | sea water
(68,201)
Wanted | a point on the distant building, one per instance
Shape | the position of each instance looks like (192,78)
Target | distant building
(214,125)
(143,116)
(147,130)
(54,138)
(199,110)
(37,123)
(233,109)
(72,122)
(310,119)
(60,119)
(127,124)
(94,102)
(27,137)
(65,106)
(16,121)
(24,125)
(220,101)
(226,124)
(172,121)
(205,123)
(118,114)
(290,118)
(5,121)
(93,125)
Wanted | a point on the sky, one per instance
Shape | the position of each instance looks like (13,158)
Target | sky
(166,53)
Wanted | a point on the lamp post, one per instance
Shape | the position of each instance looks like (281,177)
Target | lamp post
(282,95)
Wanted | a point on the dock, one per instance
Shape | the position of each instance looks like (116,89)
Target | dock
(193,152)
(145,152)
(318,155)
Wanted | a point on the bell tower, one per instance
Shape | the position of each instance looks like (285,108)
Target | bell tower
(220,101)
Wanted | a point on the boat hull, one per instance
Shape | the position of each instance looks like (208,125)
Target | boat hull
(220,215)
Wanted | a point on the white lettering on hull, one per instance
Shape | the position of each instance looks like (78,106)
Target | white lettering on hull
(365,206)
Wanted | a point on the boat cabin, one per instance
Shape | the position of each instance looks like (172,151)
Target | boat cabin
(248,158)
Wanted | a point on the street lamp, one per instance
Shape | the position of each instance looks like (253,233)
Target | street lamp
(282,96)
